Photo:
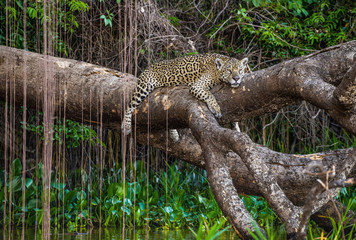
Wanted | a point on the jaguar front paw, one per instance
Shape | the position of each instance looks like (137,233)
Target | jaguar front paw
(216,111)
(218,115)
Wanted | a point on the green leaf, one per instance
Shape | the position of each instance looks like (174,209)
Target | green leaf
(58,186)
(142,205)
(112,189)
(168,209)
(127,211)
(15,184)
(305,12)
(16,167)
(33,203)
(29,182)
(255,3)
(68,197)
(115,200)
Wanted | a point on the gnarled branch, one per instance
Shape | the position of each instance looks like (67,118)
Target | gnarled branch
(232,160)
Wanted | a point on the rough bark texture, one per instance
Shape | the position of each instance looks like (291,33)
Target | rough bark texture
(233,162)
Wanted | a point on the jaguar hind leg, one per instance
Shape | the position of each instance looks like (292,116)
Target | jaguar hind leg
(141,93)
(127,121)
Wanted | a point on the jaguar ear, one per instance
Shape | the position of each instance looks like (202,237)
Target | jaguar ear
(218,63)
(244,61)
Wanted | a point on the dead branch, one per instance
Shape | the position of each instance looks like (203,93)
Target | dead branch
(160,30)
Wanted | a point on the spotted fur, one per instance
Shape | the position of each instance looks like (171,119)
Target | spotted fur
(200,72)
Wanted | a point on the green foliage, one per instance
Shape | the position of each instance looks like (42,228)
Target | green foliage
(33,193)
(289,28)
(107,19)
(206,233)
(259,209)
(348,197)
(288,135)
(74,133)
(339,226)
(276,231)
(174,200)
(64,13)
(172,19)
(178,197)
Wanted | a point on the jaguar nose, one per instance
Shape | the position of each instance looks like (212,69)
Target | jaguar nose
(236,78)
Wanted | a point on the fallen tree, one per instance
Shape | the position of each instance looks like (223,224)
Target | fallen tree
(234,164)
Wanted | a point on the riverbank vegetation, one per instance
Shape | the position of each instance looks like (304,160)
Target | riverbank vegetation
(91,185)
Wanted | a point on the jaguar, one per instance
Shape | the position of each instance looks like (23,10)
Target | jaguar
(200,72)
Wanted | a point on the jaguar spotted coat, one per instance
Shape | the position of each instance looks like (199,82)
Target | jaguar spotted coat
(200,72)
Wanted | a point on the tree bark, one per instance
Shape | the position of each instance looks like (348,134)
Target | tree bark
(233,162)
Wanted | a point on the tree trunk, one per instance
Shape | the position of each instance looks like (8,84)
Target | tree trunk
(234,164)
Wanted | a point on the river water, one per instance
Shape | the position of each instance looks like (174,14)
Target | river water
(107,234)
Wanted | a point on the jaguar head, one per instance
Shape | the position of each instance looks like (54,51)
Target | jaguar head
(233,70)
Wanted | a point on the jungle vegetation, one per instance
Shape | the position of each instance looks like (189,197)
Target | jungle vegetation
(90,183)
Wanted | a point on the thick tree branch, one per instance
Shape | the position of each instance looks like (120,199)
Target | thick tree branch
(224,191)
(345,93)
(313,78)
(208,133)
(203,125)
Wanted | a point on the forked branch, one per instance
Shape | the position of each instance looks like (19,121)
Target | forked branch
(217,141)
(232,160)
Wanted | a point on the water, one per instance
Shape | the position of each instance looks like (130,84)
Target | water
(108,234)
